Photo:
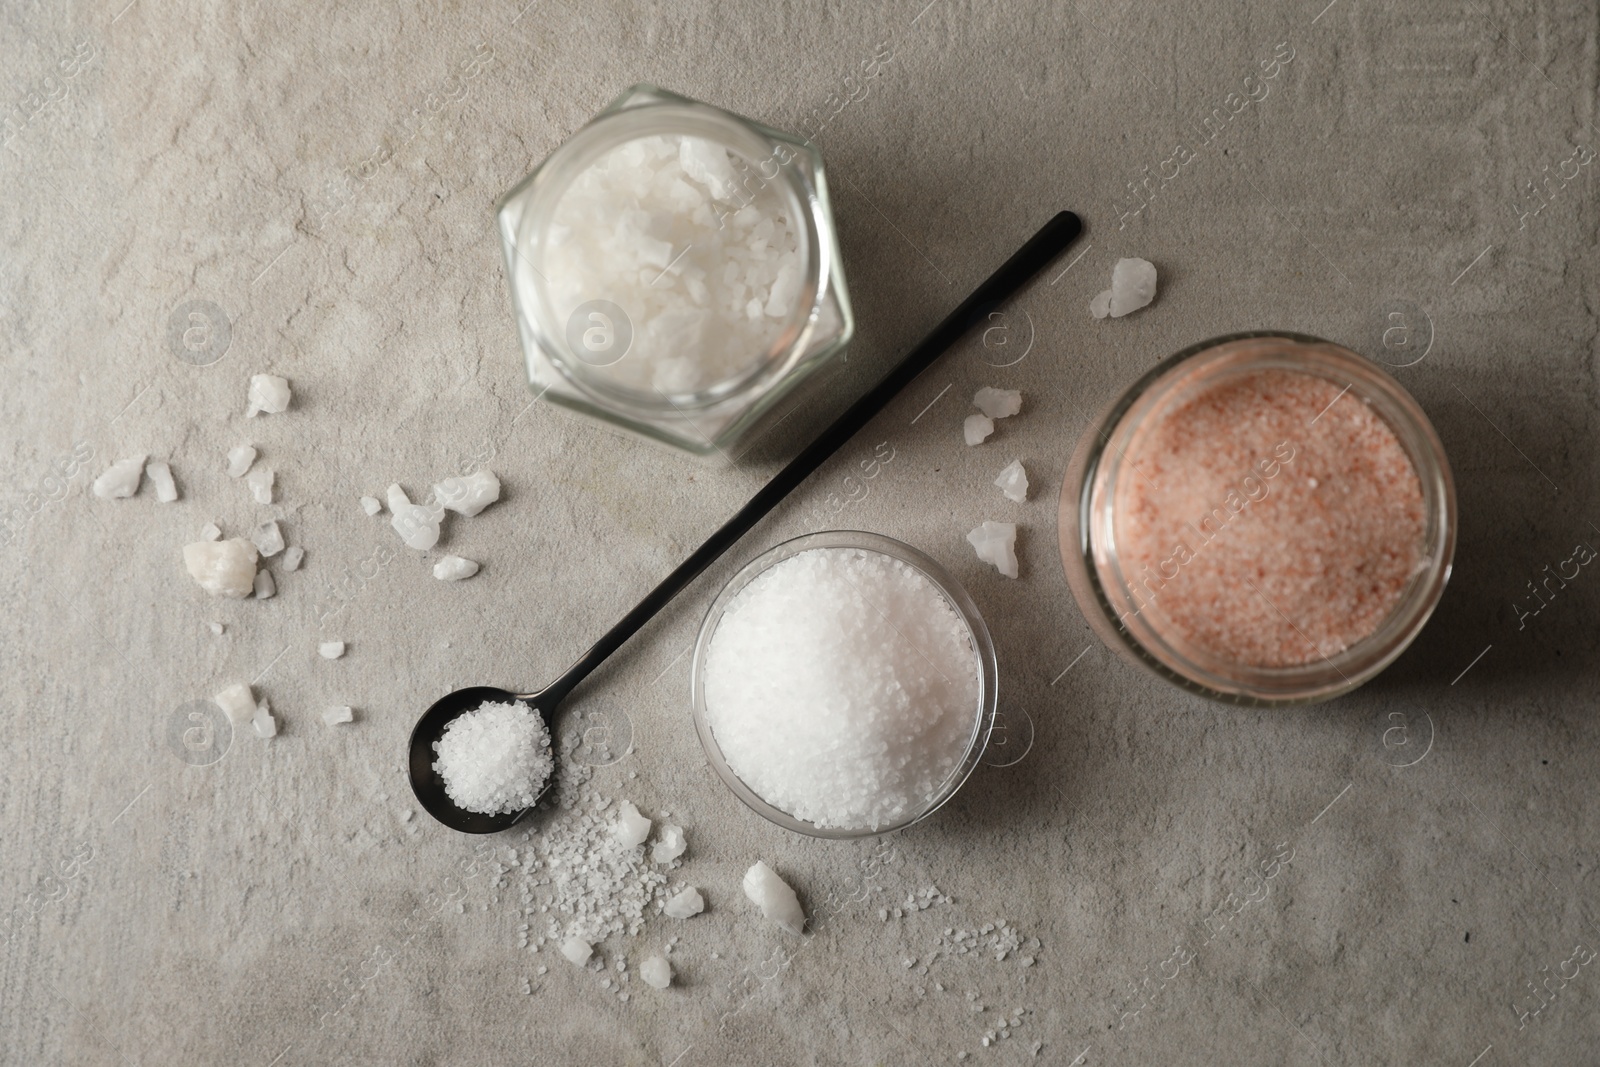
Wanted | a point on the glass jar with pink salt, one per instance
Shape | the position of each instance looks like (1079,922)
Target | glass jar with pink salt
(1264,518)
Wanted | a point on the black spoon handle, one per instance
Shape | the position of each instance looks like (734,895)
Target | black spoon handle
(1051,240)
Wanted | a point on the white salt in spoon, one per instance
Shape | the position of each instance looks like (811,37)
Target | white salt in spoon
(1051,240)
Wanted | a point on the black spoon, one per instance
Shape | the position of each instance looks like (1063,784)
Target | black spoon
(1051,240)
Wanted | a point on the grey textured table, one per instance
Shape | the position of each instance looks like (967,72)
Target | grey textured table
(200,192)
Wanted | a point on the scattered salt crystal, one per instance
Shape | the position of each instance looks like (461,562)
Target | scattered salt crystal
(996,543)
(977,428)
(121,479)
(1100,306)
(260,483)
(292,557)
(469,495)
(330,649)
(237,703)
(686,904)
(371,505)
(656,972)
(495,758)
(631,828)
(210,532)
(268,539)
(417,525)
(263,722)
(773,896)
(239,459)
(1133,285)
(216,627)
(223,568)
(998,403)
(577,950)
(269,394)
(454,568)
(265,587)
(334,716)
(669,846)
(160,475)
(1013,481)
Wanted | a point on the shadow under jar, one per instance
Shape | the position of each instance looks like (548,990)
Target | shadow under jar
(1264,518)
(675,271)
(844,685)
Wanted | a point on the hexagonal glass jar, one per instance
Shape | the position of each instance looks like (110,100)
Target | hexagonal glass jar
(571,359)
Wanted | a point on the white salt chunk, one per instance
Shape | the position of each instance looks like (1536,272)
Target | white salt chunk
(160,475)
(397,497)
(631,828)
(269,394)
(371,505)
(656,972)
(669,845)
(454,568)
(1100,306)
(292,557)
(260,483)
(121,479)
(331,649)
(268,539)
(263,723)
(774,897)
(335,716)
(976,428)
(577,950)
(495,758)
(1133,285)
(210,531)
(239,460)
(1013,481)
(996,543)
(686,904)
(265,587)
(998,403)
(417,524)
(237,703)
(223,568)
(216,628)
(469,495)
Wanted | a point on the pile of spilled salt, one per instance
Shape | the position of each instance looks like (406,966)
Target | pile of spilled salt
(695,248)
(495,758)
(1275,519)
(842,687)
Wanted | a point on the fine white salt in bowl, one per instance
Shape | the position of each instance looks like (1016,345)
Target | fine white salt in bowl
(844,685)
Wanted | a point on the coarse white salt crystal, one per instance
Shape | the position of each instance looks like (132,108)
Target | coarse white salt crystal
(669,846)
(330,649)
(417,524)
(1133,285)
(454,568)
(121,479)
(371,505)
(223,568)
(240,457)
(268,539)
(842,687)
(495,758)
(216,628)
(269,394)
(292,557)
(577,950)
(976,429)
(1013,481)
(263,723)
(631,828)
(1100,306)
(468,495)
(160,475)
(656,972)
(998,403)
(336,715)
(237,703)
(685,904)
(774,897)
(996,543)
(210,531)
(260,483)
(265,587)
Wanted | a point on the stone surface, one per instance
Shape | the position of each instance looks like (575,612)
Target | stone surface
(199,194)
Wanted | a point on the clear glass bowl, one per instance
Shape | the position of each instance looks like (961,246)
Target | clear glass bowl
(710,422)
(983,715)
(1088,521)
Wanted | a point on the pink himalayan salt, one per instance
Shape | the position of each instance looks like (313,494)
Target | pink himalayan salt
(1269,520)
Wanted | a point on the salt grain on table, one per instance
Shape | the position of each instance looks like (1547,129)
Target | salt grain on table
(976,429)
(240,458)
(160,475)
(268,394)
(121,479)
(1013,481)
(996,543)
(223,568)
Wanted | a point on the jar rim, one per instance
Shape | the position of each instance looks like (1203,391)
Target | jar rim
(1088,512)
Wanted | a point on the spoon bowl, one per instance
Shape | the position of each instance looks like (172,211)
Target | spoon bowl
(425,781)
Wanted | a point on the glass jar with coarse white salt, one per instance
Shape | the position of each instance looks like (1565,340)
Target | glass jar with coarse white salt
(675,271)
